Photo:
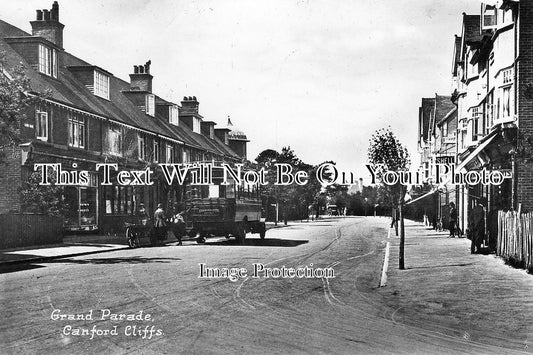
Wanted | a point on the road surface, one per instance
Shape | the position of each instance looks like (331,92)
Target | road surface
(184,313)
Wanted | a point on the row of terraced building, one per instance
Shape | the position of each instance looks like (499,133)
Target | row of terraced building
(89,116)
(486,122)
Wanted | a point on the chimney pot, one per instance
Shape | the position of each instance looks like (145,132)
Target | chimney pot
(55,12)
(147,67)
(184,98)
(39,15)
(135,69)
(46,15)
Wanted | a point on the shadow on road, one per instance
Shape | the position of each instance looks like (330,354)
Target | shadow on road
(262,242)
(126,260)
(5,269)
(437,266)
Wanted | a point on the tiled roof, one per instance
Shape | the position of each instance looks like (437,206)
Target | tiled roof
(9,30)
(68,90)
(471,28)
(448,117)
(443,105)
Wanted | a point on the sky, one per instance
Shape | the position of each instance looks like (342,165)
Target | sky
(318,76)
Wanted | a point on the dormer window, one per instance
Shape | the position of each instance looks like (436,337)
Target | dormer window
(114,140)
(173,115)
(488,16)
(150,104)
(47,60)
(101,85)
(196,125)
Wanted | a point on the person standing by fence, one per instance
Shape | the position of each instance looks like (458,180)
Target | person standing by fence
(478,227)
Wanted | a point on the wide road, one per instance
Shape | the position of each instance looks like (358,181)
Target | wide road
(183,313)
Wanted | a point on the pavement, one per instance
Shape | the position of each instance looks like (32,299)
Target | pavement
(458,292)
(78,245)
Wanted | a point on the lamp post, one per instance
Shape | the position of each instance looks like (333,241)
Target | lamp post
(366,205)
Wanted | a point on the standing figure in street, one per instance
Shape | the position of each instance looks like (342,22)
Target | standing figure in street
(393,217)
(142,215)
(452,220)
(159,221)
(178,223)
(478,227)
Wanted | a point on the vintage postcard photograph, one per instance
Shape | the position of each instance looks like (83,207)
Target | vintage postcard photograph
(266,177)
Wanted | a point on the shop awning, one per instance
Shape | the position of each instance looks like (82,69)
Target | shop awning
(421,197)
(475,153)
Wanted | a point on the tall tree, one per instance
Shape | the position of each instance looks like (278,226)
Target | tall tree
(14,103)
(387,151)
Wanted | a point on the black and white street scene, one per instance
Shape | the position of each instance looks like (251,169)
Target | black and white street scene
(357,180)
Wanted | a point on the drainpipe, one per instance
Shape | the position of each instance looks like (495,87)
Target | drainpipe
(513,152)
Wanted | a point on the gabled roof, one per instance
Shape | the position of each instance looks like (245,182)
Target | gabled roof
(443,105)
(424,118)
(450,116)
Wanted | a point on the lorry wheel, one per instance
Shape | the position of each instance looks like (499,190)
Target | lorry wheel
(240,233)
(200,239)
(130,237)
(262,231)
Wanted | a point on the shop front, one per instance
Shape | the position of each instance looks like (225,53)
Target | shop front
(82,202)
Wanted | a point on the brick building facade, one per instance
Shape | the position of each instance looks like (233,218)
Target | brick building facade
(89,116)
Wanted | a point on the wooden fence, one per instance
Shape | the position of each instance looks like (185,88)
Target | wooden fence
(18,230)
(515,238)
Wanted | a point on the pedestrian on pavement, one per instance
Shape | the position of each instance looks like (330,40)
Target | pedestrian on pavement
(159,221)
(478,227)
(394,217)
(452,220)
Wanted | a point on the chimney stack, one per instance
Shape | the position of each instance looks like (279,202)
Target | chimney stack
(190,104)
(141,79)
(47,25)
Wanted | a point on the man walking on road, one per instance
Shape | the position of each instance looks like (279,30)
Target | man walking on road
(452,220)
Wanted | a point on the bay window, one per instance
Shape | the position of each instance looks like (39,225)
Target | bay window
(156,152)
(76,131)
(41,124)
(114,140)
(142,147)
(170,154)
